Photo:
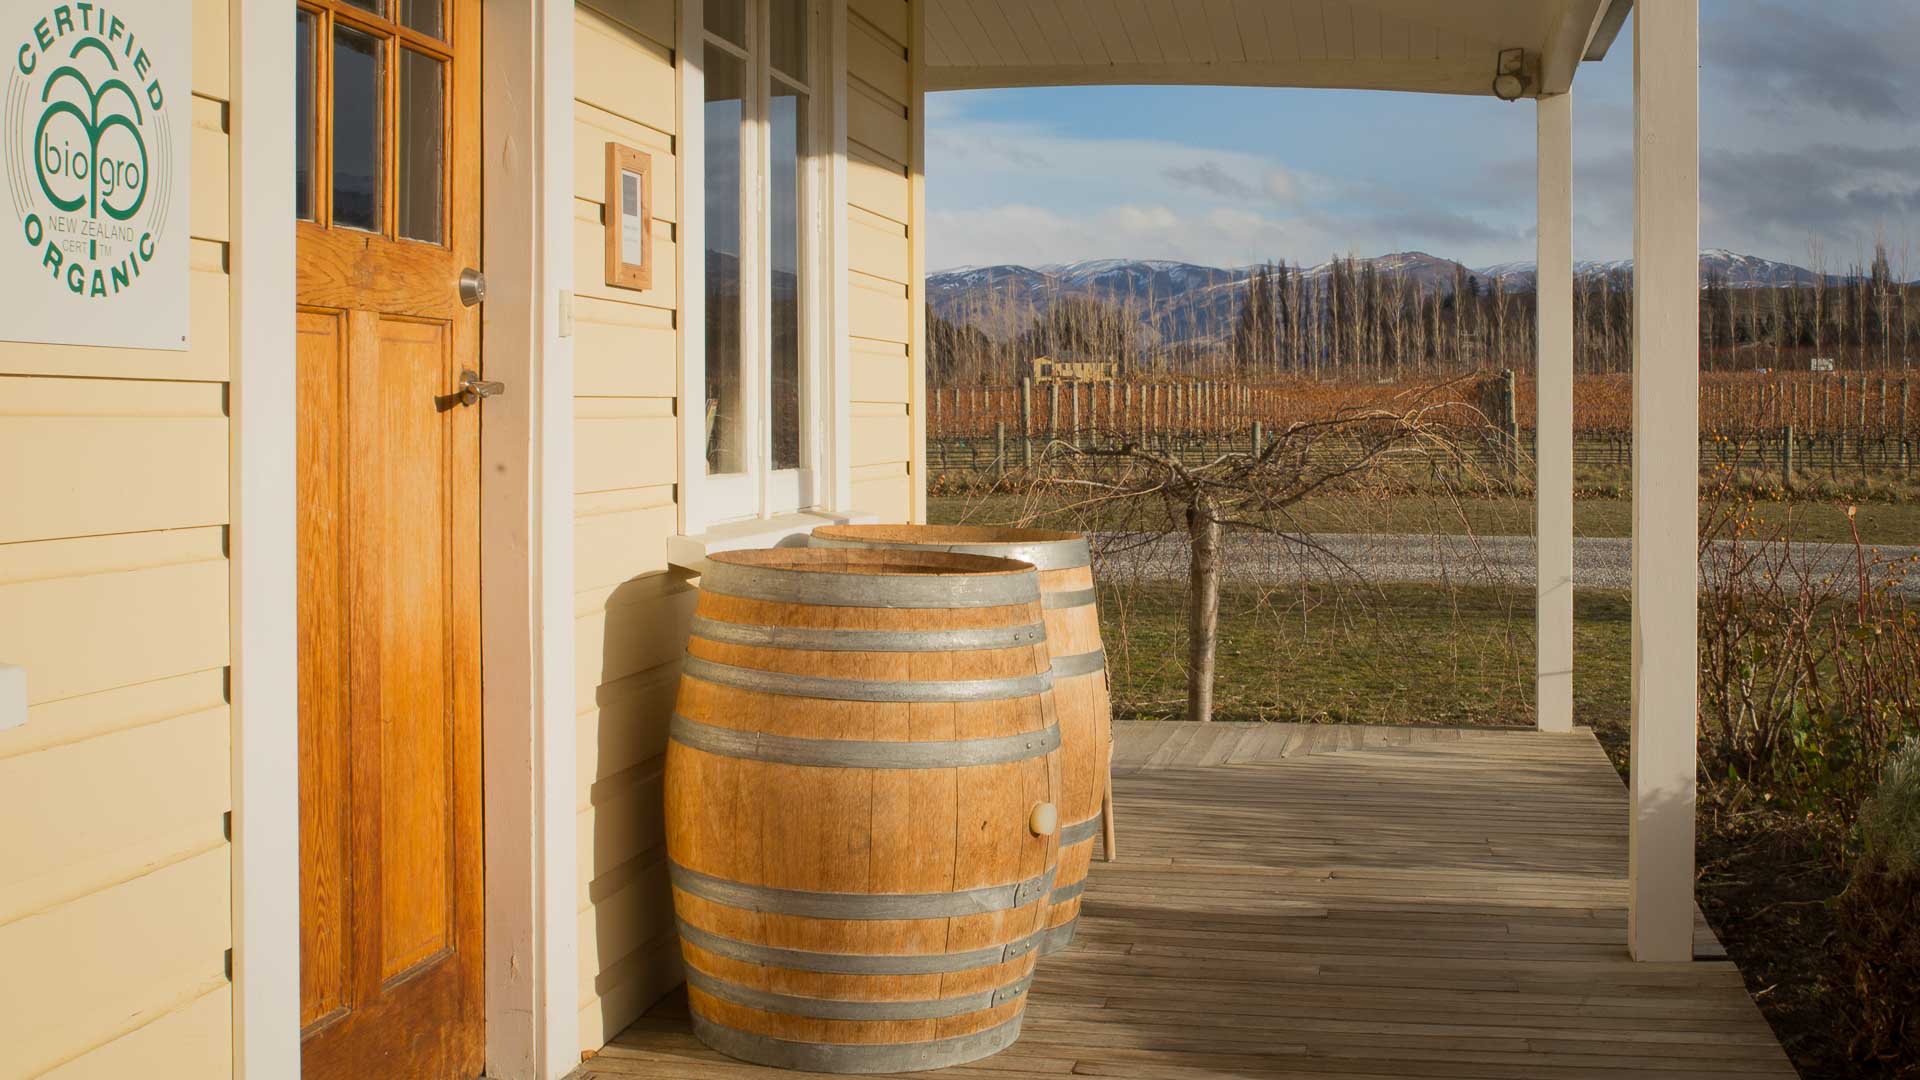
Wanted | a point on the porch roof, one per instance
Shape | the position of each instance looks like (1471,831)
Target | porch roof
(1410,45)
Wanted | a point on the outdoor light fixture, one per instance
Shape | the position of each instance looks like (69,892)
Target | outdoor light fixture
(1510,77)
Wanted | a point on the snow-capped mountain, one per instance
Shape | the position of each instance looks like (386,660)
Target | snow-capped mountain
(1185,302)
(1735,270)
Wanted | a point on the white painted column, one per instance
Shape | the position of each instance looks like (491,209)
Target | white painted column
(1553,418)
(1666,476)
(264,543)
(526,552)
(917,250)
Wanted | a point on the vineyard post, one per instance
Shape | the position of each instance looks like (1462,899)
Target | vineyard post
(1256,444)
(1906,456)
(1860,434)
(938,429)
(1073,432)
(1026,422)
(1000,447)
(1880,424)
(1510,423)
(1126,412)
(1053,411)
(1786,460)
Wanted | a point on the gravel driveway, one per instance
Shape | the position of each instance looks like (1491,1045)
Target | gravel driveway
(1598,562)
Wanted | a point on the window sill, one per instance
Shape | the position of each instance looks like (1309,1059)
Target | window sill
(689,553)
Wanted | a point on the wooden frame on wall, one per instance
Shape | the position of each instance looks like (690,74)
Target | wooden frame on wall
(629,210)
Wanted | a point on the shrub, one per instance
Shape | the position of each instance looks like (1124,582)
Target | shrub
(1879,921)
(1810,673)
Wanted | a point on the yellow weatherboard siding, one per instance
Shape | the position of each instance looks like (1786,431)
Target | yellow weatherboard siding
(631,613)
(114,880)
(881,292)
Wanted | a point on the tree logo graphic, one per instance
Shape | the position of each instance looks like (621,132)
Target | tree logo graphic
(88,150)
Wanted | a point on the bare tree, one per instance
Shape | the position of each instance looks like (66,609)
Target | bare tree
(1255,492)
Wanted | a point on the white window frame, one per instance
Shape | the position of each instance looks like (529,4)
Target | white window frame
(760,492)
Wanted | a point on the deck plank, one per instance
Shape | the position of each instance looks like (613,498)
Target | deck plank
(1309,901)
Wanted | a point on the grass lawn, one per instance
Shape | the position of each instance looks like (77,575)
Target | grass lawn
(1880,522)
(1390,654)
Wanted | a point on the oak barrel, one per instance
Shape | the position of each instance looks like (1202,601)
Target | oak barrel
(1079,673)
(861,776)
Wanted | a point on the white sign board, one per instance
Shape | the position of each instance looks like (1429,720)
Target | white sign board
(96,121)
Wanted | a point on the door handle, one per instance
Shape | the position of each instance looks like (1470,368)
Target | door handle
(473,388)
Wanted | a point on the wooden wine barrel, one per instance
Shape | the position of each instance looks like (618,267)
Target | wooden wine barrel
(1079,674)
(861,777)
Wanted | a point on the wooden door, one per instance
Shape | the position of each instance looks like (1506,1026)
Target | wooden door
(390,822)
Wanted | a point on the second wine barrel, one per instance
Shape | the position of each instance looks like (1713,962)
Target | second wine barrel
(1079,673)
(861,777)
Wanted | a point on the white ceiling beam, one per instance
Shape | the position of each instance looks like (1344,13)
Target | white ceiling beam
(1446,76)
(1566,43)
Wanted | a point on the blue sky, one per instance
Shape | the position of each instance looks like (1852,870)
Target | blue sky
(1810,131)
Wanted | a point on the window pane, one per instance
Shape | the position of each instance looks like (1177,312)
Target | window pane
(787,124)
(303,129)
(357,135)
(378,7)
(724,412)
(728,19)
(422,15)
(422,128)
(788,41)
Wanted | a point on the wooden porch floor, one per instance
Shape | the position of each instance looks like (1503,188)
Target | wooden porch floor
(1354,902)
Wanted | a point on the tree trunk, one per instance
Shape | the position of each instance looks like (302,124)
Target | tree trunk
(1203,611)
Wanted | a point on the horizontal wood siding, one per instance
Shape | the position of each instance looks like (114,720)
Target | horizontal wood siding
(881,289)
(631,614)
(114,508)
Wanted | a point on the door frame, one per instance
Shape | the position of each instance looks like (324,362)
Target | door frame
(526,537)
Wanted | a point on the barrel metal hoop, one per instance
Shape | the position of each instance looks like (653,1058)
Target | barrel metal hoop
(855,1058)
(861,753)
(1043,554)
(958,590)
(748,952)
(1059,937)
(1069,598)
(1086,663)
(1067,892)
(861,906)
(835,640)
(1077,833)
(832,689)
(840,1009)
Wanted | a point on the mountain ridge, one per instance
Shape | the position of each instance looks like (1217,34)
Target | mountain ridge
(1185,302)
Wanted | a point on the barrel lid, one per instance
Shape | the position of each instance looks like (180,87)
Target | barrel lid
(1046,549)
(871,578)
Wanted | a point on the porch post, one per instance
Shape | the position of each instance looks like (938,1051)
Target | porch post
(1553,417)
(1666,476)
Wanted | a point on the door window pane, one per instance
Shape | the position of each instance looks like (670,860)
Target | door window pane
(786,121)
(422,15)
(422,136)
(378,7)
(724,398)
(788,41)
(357,129)
(728,19)
(304,133)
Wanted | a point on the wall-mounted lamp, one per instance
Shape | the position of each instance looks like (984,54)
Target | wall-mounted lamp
(1510,76)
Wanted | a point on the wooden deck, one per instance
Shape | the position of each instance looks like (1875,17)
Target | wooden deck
(1306,901)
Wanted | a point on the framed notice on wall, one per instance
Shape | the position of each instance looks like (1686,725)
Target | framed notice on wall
(96,155)
(629,217)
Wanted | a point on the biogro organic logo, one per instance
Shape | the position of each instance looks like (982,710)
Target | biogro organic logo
(88,148)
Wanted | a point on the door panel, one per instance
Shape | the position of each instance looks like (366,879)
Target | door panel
(324,802)
(391,877)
